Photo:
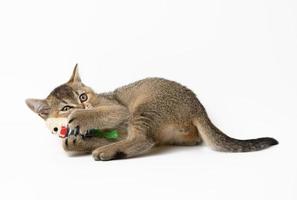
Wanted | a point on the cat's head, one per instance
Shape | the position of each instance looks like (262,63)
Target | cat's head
(62,101)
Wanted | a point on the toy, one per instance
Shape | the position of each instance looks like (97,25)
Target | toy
(113,134)
(59,126)
(63,132)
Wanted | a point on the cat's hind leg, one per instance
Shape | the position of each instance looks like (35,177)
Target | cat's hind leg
(139,141)
(179,134)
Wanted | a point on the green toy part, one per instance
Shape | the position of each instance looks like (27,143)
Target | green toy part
(113,134)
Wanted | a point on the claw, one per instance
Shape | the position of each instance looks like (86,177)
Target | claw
(76,131)
(85,134)
(88,133)
(71,132)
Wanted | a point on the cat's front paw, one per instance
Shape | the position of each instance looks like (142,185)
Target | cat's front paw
(80,121)
(75,143)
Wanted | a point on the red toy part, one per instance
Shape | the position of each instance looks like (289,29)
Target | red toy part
(63,132)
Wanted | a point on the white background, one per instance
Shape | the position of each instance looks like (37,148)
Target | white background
(239,57)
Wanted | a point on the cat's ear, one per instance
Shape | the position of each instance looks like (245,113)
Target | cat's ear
(75,75)
(39,106)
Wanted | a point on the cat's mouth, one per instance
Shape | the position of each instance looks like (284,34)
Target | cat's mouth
(87,106)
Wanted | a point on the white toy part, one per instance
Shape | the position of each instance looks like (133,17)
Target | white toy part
(55,124)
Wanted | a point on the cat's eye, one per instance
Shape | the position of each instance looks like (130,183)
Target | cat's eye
(83,97)
(66,108)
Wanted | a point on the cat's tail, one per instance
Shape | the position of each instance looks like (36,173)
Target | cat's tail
(219,141)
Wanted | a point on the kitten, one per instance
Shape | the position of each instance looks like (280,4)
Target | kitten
(149,112)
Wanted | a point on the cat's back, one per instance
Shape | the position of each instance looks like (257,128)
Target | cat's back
(155,90)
